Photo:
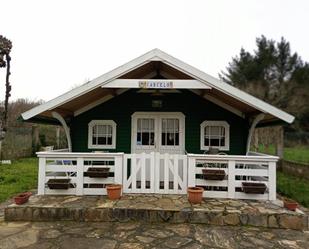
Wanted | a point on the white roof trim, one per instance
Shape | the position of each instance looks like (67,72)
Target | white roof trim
(158,55)
(177,84)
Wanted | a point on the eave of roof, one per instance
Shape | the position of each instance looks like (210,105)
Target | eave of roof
(158,55)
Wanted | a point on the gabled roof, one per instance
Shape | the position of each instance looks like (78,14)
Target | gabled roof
(157,55)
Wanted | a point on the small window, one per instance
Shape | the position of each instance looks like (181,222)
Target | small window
(145,131)
(215,134)
(102,134)
(170,132)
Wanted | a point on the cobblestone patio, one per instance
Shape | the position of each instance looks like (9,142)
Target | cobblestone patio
(157,208)
(137,235)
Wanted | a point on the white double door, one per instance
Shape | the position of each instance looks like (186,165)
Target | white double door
(162,132)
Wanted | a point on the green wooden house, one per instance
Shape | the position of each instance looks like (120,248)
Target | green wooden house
(155,105)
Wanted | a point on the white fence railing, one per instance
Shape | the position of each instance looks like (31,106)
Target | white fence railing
(238,169)
(157,173)
(72,166)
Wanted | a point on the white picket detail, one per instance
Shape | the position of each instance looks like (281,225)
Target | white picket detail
(63,165)
(238,169)
(155,173)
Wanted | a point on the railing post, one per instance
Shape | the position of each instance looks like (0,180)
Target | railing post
(272,191)
(41,176)
(118,169)
(191,171)
(80,176)
(231,179)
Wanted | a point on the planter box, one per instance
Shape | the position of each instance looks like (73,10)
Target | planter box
(213,174)
(22,198)
(290,204)
(58,183)
(253,188)
(97,172)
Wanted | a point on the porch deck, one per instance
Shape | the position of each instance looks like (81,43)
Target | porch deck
(158,208)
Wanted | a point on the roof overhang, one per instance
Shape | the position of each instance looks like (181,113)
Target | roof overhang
(146,68)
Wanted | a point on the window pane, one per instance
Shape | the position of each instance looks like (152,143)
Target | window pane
(214,136)
(102,141)
(214,142)
(170,132)
(163,138)
(151,138)
(145,138)
(145,131)
(109,140)
(206,141)
(177,139)
(222,142)
(170,138)
(102,134)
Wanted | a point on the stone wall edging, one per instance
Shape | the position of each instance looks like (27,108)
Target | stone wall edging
(268,220)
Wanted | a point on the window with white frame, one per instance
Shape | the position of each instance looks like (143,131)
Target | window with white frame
(215,134)
(102,134)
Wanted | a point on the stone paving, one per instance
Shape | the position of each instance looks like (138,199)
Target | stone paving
(137,235)
(158,208)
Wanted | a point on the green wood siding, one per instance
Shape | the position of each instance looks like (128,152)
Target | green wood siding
(195,108)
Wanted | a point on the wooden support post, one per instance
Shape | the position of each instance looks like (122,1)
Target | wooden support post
(231,179)
(41,176)
(272,190)
(191,171)
(58,136)
(118,169)
(80,176)
(280,142)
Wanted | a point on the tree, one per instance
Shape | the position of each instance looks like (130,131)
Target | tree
(272,72)
(5,61)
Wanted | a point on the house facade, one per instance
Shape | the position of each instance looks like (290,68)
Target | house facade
(157,105)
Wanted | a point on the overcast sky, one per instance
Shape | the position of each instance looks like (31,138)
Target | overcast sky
(61,44)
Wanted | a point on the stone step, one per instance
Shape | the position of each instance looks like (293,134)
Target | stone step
(137,208)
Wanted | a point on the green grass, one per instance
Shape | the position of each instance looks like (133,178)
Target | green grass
(18,177)
(293,187)
(296,154)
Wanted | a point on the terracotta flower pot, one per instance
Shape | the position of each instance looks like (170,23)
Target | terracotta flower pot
(22,198)
(195,194)
(114,191)
(290,204)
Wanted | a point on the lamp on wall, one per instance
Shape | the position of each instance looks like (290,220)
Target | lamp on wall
(156,103)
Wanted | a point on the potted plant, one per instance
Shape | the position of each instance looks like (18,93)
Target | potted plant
(22,198)
(195,194)
(114,191)
(290,204)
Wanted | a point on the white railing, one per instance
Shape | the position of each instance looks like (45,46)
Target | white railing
(60,165)
(157,173)
(238,169)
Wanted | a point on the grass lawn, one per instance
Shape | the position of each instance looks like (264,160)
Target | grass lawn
(293,187)
(21,176)
(296,154)
(18,177)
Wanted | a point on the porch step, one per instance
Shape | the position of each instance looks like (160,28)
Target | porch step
(157,208)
